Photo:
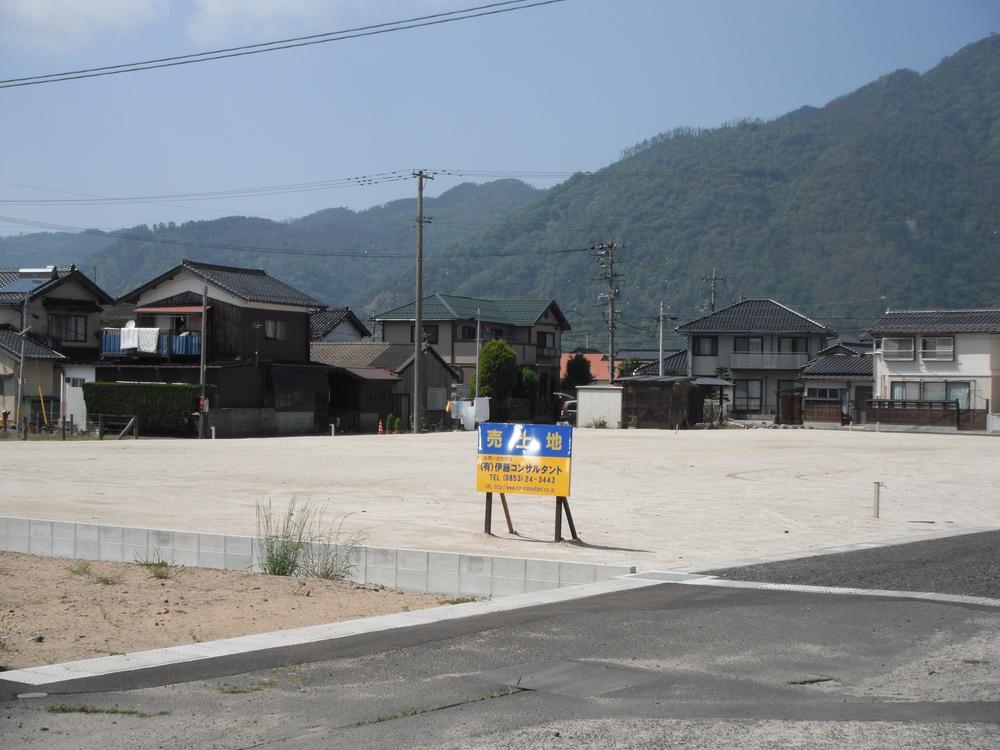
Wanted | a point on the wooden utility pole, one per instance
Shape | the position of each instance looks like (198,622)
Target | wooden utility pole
(20,365)
(418,323)
(712,281)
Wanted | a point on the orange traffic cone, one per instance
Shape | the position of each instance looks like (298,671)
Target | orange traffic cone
(381,429)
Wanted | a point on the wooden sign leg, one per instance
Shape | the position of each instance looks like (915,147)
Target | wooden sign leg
(558,536)
(506,513)
(569,517)
(488,525)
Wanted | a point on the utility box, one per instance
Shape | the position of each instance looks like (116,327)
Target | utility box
(599,404)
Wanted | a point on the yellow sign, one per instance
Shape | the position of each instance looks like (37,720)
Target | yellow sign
(524,459)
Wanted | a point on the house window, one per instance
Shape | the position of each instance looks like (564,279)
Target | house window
(792,344)
(958,391)
(545,340)
(274,330)
(469,333)
(496,333)
(705,346)
(430,334)
(746,395)
(933,391)
(68,327)
(897,349)
(905,391)
(75,382)
(938,349)
(789,385)
(748,344)
(824,394)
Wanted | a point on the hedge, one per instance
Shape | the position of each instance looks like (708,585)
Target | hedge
(162,408)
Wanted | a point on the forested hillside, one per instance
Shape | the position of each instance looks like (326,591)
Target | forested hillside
(886,197)
(889,196)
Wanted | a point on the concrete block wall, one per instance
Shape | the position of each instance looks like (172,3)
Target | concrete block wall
(451,573)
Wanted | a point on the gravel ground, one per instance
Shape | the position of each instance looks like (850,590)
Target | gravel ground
(968,565)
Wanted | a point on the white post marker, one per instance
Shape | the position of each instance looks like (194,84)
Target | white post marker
(875,499)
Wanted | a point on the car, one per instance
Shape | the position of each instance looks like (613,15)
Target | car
(568,412)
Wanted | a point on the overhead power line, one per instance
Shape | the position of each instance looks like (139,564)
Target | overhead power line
(434,19)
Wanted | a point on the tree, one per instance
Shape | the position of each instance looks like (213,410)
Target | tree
(527,387)
(577,372)
(497,370)
(628,366)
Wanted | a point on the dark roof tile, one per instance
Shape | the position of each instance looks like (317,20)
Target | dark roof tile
(516,312)
(10,342)
(321,322)
(937,321)
(754,316)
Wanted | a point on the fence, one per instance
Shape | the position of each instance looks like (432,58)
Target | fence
(99,426)
(926,413)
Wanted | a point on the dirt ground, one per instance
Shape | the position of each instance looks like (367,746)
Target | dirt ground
(55,610)
(650,498)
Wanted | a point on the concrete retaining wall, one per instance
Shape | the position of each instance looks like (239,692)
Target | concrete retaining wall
(451,573)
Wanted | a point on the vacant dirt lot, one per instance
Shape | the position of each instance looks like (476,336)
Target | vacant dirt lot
(54,610)
(650,498)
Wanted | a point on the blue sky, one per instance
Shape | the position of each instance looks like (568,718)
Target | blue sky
(562,87)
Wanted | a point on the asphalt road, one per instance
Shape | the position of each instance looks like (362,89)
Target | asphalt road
(659,667)
(968,565)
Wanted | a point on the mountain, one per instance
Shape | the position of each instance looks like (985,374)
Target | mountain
(51,248)
(885,197)
(291,250)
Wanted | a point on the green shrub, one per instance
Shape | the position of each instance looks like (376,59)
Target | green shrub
(162,408)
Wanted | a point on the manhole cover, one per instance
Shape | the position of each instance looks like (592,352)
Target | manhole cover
(570,678)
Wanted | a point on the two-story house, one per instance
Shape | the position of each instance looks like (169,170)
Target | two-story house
(761,343)
(63,316)
(936,367)
(532,328)
(257,348)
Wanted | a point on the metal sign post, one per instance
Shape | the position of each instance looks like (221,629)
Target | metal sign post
(525,459)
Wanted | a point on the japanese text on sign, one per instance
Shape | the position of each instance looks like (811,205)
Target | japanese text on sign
(529,459)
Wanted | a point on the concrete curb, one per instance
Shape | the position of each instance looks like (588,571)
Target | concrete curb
(422,571)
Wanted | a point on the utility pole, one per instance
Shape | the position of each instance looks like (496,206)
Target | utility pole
(660,360)
(20,367)
(606,259)
(201,364)
(418,323)
(478,339)
(712,281)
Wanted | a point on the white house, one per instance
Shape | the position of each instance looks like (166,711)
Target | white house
(939,356)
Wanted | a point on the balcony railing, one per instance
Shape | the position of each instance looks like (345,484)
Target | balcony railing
(167,344)
(767,360)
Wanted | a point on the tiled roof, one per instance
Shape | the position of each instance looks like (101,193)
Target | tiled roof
(754,316)
(362,354)
(249,284)
(838,366)
(676,361)
(846,347)
(10,342)
(938,321)
(321,322)
(599,369)
(516,312)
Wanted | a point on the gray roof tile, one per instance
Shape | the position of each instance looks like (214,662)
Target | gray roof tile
(754,316)
(10,342)
(321,322)
(838,366)
(937,321)
(516,312)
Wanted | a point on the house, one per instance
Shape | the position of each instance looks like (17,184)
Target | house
(936,367)
(64,310)
(838,384)
(40,391)
(371,379)
(674,363)
(760,343)
(257,348)
(337,324)
(531,327)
